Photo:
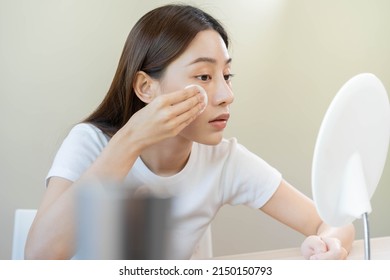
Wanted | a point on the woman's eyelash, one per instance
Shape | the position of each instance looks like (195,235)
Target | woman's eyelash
(206,77)
(228,77)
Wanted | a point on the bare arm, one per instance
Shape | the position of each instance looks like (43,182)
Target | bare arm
(297,211)
(52,234)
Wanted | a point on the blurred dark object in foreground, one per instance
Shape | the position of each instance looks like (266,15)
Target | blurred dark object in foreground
(116,222)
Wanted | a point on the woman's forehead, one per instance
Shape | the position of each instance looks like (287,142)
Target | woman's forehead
(207,47)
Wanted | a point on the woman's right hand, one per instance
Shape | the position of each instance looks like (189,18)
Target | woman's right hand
(165,116)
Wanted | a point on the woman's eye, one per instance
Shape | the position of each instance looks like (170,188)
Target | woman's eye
(228,77)
(204,78)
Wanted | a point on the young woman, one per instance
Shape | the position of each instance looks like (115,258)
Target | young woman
(152,129)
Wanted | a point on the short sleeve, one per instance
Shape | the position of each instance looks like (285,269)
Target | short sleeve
(249,180)
(78,151)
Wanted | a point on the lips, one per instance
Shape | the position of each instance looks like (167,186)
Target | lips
(220,122)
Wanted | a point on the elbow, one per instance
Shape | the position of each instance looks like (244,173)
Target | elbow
(35,249)
(31,252)
(39,254)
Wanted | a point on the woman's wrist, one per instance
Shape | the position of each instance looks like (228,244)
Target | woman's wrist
(116,159)
(127,141)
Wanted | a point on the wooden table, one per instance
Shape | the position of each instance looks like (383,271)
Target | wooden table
(380,250)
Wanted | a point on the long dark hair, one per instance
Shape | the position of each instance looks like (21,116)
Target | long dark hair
(155,41)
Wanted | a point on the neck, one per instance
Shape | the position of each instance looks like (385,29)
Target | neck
(167,157)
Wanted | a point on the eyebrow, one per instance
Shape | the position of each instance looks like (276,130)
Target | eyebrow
(208,60)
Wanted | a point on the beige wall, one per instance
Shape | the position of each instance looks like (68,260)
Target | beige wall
(57,59)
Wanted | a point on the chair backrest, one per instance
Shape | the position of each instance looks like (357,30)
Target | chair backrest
(23,221)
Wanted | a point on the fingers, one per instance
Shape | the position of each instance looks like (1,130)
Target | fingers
(167,115)
(184,105)
(192,92)
(186,118)
(197,101)
(334,250)
(202,91)
(313,245)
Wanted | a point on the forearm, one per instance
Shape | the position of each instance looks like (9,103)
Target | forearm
(52,234)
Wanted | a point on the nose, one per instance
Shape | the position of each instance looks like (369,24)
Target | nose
(224,95)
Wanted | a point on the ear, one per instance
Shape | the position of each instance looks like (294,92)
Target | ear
(143,87)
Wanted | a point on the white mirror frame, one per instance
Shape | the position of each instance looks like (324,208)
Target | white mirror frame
(351,151)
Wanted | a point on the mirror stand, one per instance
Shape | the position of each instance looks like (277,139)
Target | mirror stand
(367,247)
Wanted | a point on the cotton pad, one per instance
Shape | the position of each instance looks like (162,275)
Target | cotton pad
(202,91)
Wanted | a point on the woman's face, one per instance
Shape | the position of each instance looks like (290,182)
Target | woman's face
(205,62)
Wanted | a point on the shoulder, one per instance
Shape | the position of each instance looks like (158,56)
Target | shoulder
(86,128)
(85,132)
(245,177)
(84,139)
(80,148)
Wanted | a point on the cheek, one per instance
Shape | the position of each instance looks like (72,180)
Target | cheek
(171,83)
(195,130)
(198,131)
(196,126)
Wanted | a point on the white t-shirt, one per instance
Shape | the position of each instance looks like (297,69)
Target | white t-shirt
(226,173)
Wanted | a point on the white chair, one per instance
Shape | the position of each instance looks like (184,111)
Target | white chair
(23,221)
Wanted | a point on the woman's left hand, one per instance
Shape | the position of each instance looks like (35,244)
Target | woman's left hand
(323,248)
